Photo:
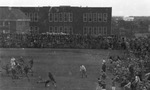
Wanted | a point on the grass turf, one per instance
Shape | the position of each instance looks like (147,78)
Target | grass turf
(62,63)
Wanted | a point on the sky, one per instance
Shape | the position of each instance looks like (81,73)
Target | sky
(119,7)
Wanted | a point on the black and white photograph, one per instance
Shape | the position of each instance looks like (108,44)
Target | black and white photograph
(74,44)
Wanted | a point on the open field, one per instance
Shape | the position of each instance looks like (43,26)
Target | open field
(64,65)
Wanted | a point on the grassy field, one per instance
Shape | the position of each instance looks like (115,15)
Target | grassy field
(64,65)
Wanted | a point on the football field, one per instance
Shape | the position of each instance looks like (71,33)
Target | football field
(62,63)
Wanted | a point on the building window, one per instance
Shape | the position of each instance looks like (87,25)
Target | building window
(36,29)
(55,17)
(65,29)
(99,17)
(65,17)
(94,17)
(71,17)
(95,29)
(87,30)
(50,29)
(90,30)
(50,17)
(36,17)
(60,17)
(27,14)
(56,29)
(105,17)
(6,23)
(89,17)
(61,29)
(100,30)
(70,30)
(31,16)
(85,17)
(105,30)
(31,29)
(84,30)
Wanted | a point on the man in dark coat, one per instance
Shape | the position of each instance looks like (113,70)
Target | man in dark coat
(104,66)
(51,79)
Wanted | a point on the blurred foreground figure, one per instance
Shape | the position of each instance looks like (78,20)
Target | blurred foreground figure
(51,79)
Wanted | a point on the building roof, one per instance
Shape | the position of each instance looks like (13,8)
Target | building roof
(12,14)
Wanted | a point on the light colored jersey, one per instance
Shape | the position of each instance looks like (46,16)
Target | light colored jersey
(98,87)
(137,79)
(82,68)
(12,61)
(113,88)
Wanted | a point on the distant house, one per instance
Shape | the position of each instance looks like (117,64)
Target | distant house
(125,18)
(128,18)
(13,20)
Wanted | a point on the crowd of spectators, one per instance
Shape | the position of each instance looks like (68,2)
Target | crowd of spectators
(132,69)
(59,41)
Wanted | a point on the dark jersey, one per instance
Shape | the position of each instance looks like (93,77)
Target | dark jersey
(103,85)
(104,67)
(100,83)
(51,77)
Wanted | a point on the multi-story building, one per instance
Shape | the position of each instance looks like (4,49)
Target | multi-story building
(13,21)
(70,20)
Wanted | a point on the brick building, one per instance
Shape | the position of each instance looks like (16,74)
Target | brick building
(71,20)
